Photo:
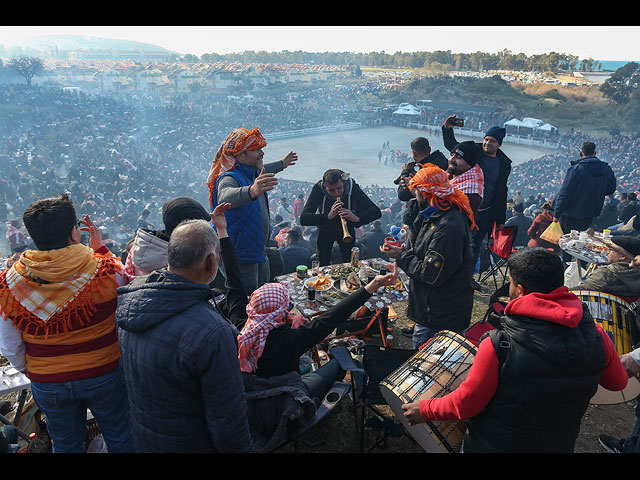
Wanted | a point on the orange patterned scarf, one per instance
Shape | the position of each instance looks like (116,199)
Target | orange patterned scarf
(239,140)
(45,288)
(433,183)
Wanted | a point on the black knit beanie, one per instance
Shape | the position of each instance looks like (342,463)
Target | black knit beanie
(179,209)
(468,151)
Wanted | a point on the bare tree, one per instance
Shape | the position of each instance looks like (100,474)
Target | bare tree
(28,67)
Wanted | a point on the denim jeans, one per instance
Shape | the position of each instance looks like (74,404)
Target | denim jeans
(421,334)
(65,405)
(482,221)
(254,275)
(319,382)
(632,443)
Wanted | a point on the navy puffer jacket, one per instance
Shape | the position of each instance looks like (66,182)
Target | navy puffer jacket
(180,362)
(585,185)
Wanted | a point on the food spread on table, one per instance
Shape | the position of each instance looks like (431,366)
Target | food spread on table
(335,282)
(352,282)
(590,248)
(333,297)
(343,271)
(375,264)
(319,283)
(398,286)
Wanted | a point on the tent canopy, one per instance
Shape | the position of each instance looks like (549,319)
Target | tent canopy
(532,122)
(407,110)
(514,122)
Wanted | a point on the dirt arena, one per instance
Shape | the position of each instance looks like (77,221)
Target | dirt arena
(356,151)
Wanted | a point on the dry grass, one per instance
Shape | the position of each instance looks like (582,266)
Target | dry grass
(578,94)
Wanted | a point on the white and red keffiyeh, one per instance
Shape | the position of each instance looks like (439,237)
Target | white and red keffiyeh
(471,181)
(266,310)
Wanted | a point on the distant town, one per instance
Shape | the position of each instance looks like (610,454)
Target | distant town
(161,72)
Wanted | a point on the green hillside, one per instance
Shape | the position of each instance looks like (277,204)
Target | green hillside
(579,107)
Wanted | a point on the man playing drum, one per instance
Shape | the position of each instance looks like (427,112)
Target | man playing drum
(532,379)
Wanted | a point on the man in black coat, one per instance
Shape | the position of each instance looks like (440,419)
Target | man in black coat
(337,196)
(422,154)
(294,253)
(522,222)
(373,240)
(496,167)
(437,257)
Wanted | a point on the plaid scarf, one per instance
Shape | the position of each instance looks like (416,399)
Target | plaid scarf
(240,140)
(469,182)
(45,288)
(266,310)
(433,183)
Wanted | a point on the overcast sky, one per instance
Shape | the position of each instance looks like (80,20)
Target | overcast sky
(597,42)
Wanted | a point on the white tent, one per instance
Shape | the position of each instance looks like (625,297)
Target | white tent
(546,130)
(513,126)
(532,122)
(514,122)
(407,110)
(547,127)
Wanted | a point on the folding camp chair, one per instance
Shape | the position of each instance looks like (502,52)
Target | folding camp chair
(378,362)
(618,318)
(499,249)
(491,318)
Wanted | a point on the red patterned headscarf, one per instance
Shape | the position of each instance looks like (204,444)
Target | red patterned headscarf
(433,183)
(240,140)
(267,309)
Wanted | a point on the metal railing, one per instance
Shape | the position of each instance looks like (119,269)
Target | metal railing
(312,131)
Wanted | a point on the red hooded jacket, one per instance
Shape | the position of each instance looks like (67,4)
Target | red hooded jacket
(475,392)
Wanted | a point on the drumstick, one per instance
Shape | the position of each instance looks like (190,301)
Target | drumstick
(346,236)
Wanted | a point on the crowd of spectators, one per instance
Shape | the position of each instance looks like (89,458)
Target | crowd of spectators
(544,175)
(120,154)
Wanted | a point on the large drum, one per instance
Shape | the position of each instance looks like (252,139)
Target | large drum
(614,315)
(618,320)
(434,371)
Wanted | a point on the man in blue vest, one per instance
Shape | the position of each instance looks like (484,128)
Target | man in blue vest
(239,176)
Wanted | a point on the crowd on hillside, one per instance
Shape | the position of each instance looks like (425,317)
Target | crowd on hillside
(118,155)
(124,153)
(545,174)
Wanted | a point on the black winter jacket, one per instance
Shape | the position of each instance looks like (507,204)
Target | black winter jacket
(180,361)
(437,158)
(587,182)
(285,345)
(439,263)
(319,204)
(548,375)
